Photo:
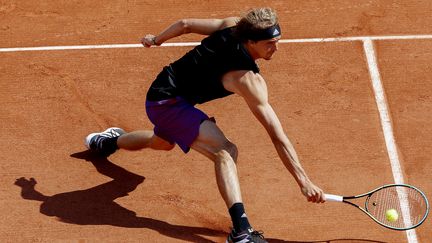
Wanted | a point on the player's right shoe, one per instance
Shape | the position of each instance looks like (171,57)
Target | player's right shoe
(247,236)
(99,141)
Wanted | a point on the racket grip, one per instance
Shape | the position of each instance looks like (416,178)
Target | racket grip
(333,198)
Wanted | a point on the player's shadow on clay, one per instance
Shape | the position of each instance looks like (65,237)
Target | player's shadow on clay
(96,206)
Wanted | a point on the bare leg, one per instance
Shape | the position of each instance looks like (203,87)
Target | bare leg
(137,140)
(212,143)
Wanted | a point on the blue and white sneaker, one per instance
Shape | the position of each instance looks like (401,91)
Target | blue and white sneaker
(97,141)
(247,236)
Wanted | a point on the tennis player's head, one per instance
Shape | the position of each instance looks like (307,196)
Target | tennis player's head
(259,30)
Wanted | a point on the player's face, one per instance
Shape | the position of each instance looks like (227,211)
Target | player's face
(266,48)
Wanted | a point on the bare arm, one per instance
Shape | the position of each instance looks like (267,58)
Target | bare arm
(185,26)
(253,89)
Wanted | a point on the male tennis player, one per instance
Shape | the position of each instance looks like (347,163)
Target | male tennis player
(223,64)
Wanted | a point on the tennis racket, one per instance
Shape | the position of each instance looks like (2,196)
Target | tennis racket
(410,203)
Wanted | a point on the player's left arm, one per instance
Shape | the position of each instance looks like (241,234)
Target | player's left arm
(252,87)
(185,26)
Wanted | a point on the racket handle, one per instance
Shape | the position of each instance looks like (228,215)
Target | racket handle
(333,198)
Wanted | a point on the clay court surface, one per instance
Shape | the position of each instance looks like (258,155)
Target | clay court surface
(322,91)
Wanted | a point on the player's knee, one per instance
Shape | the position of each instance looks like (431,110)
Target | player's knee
(229,150)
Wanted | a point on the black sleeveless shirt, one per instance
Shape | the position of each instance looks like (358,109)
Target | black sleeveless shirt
(197,76)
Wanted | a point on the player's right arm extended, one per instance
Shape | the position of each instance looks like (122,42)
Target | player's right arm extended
(185,26)
(253,89)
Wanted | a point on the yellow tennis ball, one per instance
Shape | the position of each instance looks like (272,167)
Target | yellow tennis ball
(392,215)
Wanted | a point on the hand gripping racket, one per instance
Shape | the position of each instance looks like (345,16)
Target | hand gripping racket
(410,203)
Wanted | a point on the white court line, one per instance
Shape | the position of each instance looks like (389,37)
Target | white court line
(388,133)
(120,46)
(358,38)
(84,47)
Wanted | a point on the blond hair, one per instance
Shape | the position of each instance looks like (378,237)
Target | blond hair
(256,20)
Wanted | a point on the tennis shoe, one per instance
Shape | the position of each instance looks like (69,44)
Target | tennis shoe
(247,236)
(98,141)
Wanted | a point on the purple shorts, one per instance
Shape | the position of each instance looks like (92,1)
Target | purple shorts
(176,121)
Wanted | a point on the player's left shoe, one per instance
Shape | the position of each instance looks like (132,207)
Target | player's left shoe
(248,236)
(99,143)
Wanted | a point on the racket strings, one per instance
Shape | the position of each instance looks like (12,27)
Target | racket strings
(410,205)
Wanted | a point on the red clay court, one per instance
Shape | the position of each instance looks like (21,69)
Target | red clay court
(322,85)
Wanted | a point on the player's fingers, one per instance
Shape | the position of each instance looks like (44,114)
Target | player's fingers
(145,43)
(311,198)
(142,41)
(316,197)
(321,197)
